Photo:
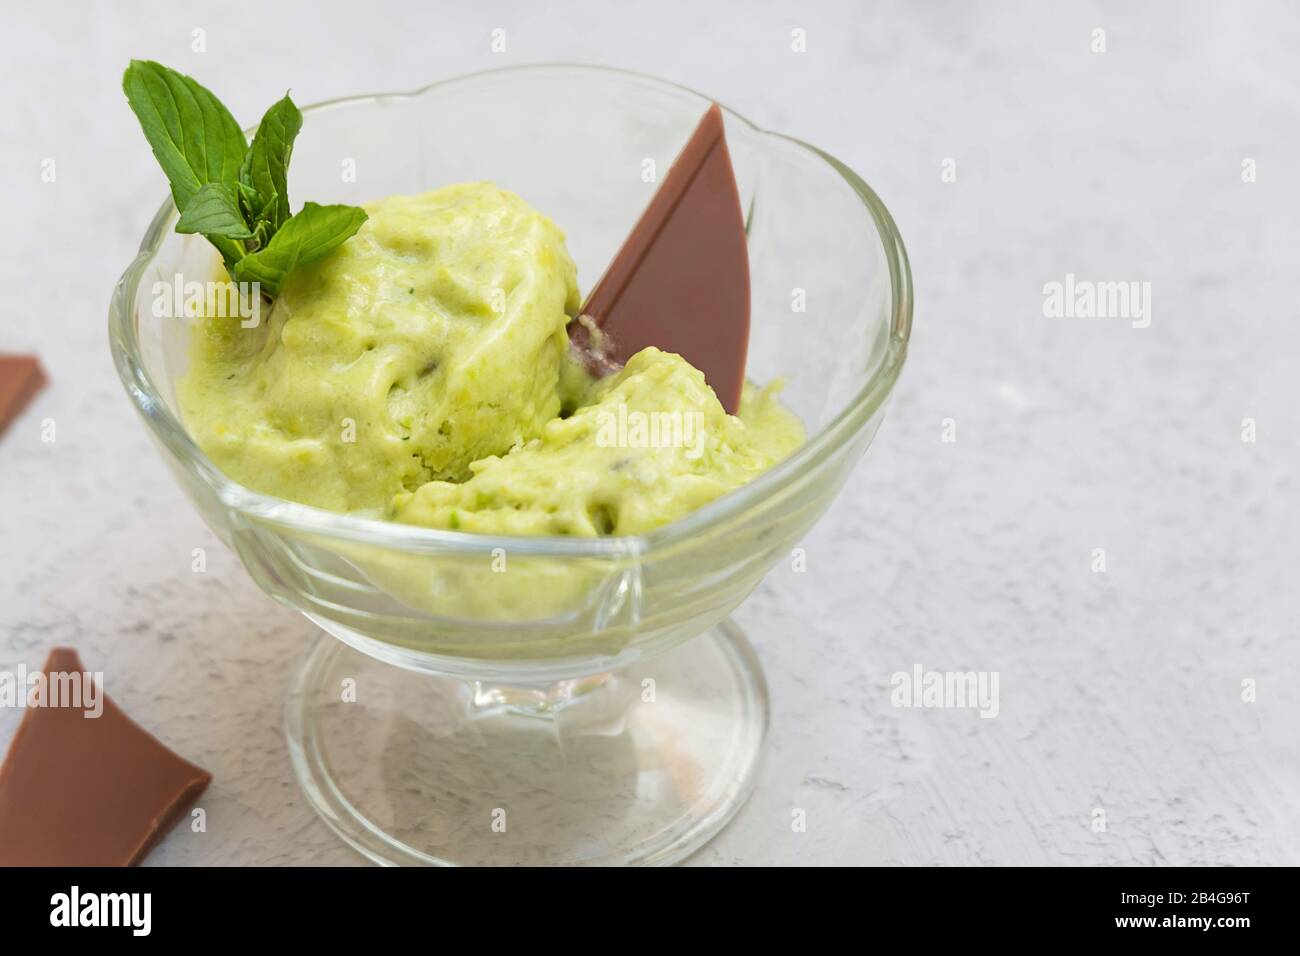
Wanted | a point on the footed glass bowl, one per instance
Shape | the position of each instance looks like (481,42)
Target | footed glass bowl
(488,699)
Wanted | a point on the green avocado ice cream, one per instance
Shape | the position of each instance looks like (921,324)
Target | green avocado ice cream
(429,340)
(421,372)
(650,445)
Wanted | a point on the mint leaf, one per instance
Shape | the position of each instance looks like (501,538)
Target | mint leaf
(214,211)
(266,165)
(193,136)
(304,238)
(235,194)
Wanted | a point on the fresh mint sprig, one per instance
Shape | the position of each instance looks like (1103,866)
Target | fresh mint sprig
(233,193)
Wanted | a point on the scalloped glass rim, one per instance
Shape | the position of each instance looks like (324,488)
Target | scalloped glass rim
(851,418)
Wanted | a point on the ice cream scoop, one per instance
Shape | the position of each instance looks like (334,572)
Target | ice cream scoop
(680,282)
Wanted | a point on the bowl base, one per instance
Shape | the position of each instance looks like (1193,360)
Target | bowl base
(641,766)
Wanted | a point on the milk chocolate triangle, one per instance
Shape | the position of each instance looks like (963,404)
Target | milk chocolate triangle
(681,280)
(21,378)
(84,790)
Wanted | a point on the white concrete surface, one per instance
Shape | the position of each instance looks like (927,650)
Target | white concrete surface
(1119,691)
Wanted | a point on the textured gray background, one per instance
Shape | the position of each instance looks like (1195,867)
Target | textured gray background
(1119,691)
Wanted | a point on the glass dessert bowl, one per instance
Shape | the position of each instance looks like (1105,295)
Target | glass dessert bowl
(496,699)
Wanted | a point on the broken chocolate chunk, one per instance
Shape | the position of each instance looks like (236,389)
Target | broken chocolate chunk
(83,784)
(21,378)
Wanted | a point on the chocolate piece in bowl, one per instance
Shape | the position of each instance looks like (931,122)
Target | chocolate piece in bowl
(681,280)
